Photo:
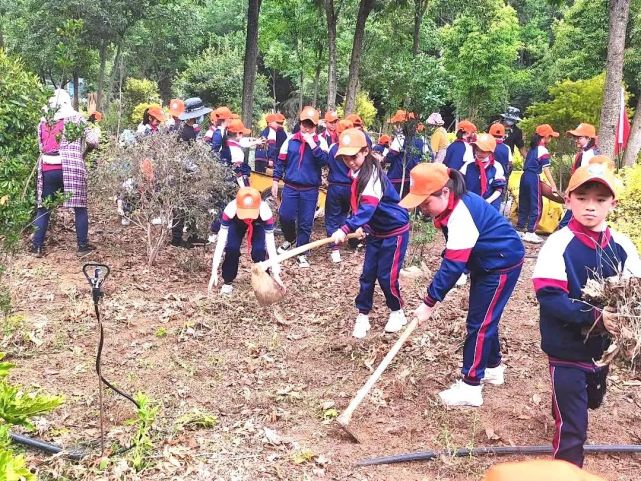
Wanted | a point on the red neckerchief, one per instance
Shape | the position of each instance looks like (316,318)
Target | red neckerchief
(250,233)
(301,150)
(333,136)
(482,166)
(440,220)
(589,237)
(353,199)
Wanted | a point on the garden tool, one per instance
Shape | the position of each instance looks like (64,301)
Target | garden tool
(266,289)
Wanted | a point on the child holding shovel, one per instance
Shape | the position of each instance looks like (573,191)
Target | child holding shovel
(480,240)
(248,213)
(375,209)
(573,333)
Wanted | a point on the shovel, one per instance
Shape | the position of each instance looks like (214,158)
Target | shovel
(266,289)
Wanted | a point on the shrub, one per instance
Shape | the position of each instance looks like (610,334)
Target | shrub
(627,216)
(364,108)
(136,92)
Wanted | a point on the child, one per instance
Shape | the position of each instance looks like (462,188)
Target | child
(438,140)
(337,202)
(485,176)
(235,131)
(275,136)
(480,240)
(502,153)
(399,159)
(358,124)
(176,107)
(585,139)
(152,117)
(375,209)
(537,160)
(331,121)
(459,152)
(220,119)
(382,147)
(572,331)
(299,163)
(246,214)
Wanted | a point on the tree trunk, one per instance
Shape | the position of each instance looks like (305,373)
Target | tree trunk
(619,10)
(300,90)
(102,54)
(319,66)
(251,58)
(634,141)
(331,45)
(114,69)
(364,10)
(419,11)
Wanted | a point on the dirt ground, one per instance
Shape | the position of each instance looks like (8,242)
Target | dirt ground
(274,377)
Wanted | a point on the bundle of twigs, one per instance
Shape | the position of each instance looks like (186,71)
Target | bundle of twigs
(622,294)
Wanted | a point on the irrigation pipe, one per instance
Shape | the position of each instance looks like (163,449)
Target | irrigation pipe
(75,453)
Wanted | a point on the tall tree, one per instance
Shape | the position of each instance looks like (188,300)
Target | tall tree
(330,14)
(419,11)
(364,10)
(619,11)
(251,57)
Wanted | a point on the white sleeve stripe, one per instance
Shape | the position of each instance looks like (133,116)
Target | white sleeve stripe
(462,230)
(550,263)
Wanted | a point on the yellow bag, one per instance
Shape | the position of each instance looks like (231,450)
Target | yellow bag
(552,211)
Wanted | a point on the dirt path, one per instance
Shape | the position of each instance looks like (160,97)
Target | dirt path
(273,377)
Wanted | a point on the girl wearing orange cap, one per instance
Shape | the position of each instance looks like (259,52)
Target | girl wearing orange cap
(460,152)
(331,121)
(246,214)
(485,176)
(221,118)
(536,161)
(235,131)
(152,117)
(375,209)
(502,152)
(275,135)
(480,240)
(299,164)
(176,107)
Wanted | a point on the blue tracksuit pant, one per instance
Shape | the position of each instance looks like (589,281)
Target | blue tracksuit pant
(235,244)
(337,207)
(297,214)
(574,390)
(489,293)
(530,202)
(383,261)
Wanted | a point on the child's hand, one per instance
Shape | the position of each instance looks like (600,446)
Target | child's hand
(213,281)
(360,233)
(275,190)
(423,312)
(309,138)
(339,237)
(611,320)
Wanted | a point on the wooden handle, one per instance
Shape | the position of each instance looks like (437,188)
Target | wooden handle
(346,415)
(299,250)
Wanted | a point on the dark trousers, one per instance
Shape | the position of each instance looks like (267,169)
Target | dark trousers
(337,207)
(574,391)
(530,202)
(296,213)
(489,294)
(234,244)
(52,183)
(383,261)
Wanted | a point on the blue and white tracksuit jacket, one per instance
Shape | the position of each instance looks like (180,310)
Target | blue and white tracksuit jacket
(530,200)
(337,202)
(269,154)
(489,184)
(395,157)
(457,154)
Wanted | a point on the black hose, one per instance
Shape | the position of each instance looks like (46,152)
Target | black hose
(76,453)
(493,450)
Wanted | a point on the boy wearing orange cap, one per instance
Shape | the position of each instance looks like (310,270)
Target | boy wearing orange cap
(400,157)
(574,333)
(502,153)
(331,121)
(275,135)
(235,132)
(220,119)
(176,107)
(382,146)
(246,214)
(375,210)
(481,241)
(460,152)
(358,123)
(299,164)
(485,176)
(536,161)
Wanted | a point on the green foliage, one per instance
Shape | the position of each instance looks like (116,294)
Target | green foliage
(138,111)
(364,108)
(198,419)
(12,467)
(626,218)
(142,442)
(137,92)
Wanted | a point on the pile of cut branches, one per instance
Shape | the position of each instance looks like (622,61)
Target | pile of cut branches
(623,294)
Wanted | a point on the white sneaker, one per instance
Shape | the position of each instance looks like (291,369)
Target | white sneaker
(461,280)
(396,321)
(336,256)
(302,262)
(461,394)
(284,247)
(212,238)
(494,375)
(125,221)
(227,289)
(361,327)
(532,238)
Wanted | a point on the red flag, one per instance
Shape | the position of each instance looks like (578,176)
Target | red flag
(623,127)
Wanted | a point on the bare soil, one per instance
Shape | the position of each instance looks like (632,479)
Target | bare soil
(274,376)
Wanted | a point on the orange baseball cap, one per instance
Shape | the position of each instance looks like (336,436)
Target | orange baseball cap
(176,107)
(247,203)
(583,130)
(425,179)
(234,116)
(97,115)
(309,113)
(599,169)
(280,118)
(485,142)
(351,142)
(497,130)
(269,118)
(384,139)
(401,116)
(222,113)
(538,469)
(355,119)
(156,112)
(466,126)
(546,129)
(236,126)
(331,116)
(343,125)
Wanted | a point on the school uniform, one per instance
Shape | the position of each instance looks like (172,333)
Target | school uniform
(395,158)
(269,154)
(381,149)
(337,202)
(503,155)
(219,146)
(330,137)
(484,179)
(241,169)
(378,212)
(530,201)
(300,168)
(580,159)
(480,240)
(566,261)
(457,154)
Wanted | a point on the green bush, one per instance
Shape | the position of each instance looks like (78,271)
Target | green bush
(136,92)
(627,216)
(364,108)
